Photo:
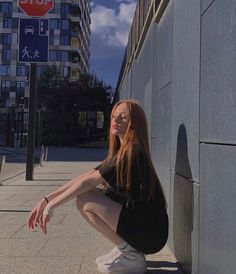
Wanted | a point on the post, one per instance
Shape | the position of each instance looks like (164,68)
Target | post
(2,163)
(31,122)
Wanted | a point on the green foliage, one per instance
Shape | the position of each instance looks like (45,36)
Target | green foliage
(63,100)
(58,94)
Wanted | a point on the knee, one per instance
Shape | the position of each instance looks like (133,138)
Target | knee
(82,202)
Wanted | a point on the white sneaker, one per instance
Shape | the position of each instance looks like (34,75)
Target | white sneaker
(109,256)
(132,262)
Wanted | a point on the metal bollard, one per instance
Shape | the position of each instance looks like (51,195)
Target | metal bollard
(46,155)
(2,163)
(42,155)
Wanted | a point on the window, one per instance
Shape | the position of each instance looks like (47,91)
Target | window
(82,119)
(54,24)
(65,24)
(64,56)
(41,70)
(54,55)
(6,7)
(6,54)
(65,40)
(20,87)
(51,40)
(65,9)
(4,70)
(100,119)
(64,71)
(22,70)
(5,86)
(7,23)
(7,39)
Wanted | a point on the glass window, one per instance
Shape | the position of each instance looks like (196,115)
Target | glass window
(7,23)
(40,70)
(64,71)
(54,55)
(22,70)
(65,40)
(65,24)
(6,54)
(7,38)
(51,40)
(54,24)
(82,119)
(64,56)
(100,119)
(20,86)
(65,9)
(5,86)
(4,70)
(6,7)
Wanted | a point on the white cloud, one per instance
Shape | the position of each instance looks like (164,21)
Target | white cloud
(102,19)
(111,26)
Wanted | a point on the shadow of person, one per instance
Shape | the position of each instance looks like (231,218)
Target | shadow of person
(157,267)
(183,203)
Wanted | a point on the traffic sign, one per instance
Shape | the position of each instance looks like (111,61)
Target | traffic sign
(33,42)
(36,8)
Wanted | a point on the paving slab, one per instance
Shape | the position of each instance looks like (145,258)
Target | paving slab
(71,245)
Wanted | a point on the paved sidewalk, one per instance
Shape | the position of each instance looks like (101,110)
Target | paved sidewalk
(71,245)
(16,161)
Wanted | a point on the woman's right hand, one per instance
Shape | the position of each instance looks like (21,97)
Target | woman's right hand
(35,214)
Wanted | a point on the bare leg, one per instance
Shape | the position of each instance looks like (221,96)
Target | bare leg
(102,213)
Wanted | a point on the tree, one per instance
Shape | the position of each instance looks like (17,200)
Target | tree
(63,99)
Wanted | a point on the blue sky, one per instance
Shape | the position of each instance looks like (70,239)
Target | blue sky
(111,22)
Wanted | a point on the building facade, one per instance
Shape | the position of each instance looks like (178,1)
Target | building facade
(69,41)
(180,63)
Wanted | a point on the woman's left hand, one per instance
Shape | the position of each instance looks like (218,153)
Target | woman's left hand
(43,220)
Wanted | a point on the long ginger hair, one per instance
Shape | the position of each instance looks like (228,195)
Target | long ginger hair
(136,134)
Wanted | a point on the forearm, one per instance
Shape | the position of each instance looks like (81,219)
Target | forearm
(79,186)
(59,191)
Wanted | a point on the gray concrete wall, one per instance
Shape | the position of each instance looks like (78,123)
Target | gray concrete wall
(185,80)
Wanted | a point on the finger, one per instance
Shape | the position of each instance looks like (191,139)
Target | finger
(30,222)
(45,221)
(38,216)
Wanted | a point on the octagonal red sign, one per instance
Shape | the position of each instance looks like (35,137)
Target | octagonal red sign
(36,7)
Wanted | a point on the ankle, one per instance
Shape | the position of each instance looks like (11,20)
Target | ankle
(125,247)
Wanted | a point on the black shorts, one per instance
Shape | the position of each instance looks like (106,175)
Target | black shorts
(148,235)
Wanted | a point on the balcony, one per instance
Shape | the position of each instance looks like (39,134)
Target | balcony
(74,74)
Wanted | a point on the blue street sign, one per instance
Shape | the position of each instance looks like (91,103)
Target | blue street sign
(33,42)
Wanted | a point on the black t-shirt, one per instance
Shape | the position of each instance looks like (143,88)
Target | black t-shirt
(138,195)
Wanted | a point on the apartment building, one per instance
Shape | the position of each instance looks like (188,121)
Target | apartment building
(69,41)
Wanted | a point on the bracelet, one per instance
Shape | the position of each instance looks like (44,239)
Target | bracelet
(46,199)
(48,211)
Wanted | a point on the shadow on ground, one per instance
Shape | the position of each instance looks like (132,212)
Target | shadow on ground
(157,267)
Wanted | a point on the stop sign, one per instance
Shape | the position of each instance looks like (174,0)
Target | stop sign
(36,7)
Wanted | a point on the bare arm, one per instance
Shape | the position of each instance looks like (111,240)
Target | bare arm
(59,191)
(79,186)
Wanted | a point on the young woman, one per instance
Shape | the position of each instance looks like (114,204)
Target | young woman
(130,208)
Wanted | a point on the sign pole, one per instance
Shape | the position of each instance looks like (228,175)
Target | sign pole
(33,49)
(31,122)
